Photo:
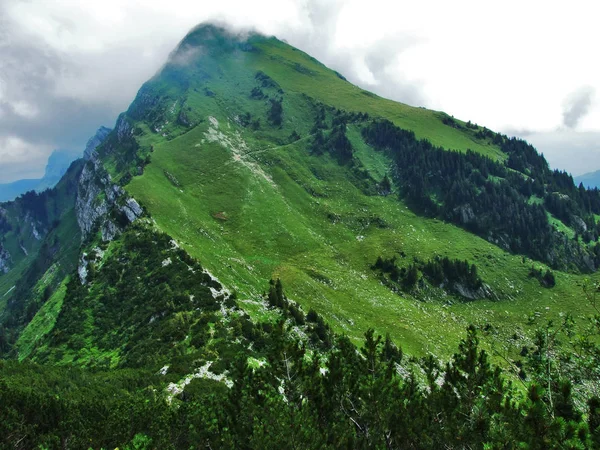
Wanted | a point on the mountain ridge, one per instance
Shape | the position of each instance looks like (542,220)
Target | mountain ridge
(212,265)
(244,109)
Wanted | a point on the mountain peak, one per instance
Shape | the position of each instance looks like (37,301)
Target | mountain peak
(213,38)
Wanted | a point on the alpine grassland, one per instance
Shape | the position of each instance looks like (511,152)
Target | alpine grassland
(252,203)
(261,254)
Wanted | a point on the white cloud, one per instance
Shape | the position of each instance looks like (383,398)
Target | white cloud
(575,152)
(507,65)
(24,109)
(21,159)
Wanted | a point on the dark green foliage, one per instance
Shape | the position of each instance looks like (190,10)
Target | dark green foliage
(294,136)
(338,398)
(409,280)
(277,299)
(458,187)
(452,274)
(275,115)
(546,279)
(245,119)
(447,120)
(266,81)
(336,143)
(340,76)
(385,186)
(452,271)
(594,420)
(320,119)
(339,145)
(142,299)
(257,93)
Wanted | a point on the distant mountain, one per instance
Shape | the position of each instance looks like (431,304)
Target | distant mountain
(10,191)
(58,163)
(590,180)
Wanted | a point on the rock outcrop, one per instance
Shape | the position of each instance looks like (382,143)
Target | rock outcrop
(101,203)
(95,141)
(484,291)
(5,260)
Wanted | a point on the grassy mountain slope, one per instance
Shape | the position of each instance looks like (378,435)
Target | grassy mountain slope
(254,162)
(220,148)
(251,204)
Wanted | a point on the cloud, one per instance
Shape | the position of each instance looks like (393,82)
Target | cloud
(577,105)
(21,159)
(372,64)
(68,67)
(576,152)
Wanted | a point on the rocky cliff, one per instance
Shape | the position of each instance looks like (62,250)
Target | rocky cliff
(95,141)
(5,260)
(101,202)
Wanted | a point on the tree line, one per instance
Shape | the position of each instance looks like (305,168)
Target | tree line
(492,199)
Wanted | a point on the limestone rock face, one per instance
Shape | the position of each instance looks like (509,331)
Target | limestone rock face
(484,291)
(5,260)
(97,197)
(82,269)
(95,141)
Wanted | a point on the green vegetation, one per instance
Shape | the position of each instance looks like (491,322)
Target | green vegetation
(296,397)
(453,276)
(42,323)
(254,162)
(455,187)
(254,200)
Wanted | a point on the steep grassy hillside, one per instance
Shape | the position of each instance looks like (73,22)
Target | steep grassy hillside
(263,163)
(226,132)
(285,215)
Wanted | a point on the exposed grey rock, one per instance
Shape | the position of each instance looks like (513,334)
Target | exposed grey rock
(82,269)
(109,230)
(466,214)
(132,209)
(35,232)
(96,193)
(484,291)
(97,196)
(123,127)
(579,224)
(5,260)
(95,141)
(569,255)
(95,256)
(501,240)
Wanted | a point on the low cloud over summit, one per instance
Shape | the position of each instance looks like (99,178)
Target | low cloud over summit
(68,67)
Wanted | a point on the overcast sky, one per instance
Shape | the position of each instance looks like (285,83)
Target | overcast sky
(528,68)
